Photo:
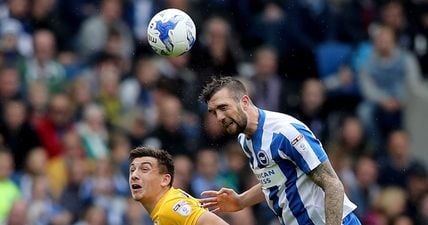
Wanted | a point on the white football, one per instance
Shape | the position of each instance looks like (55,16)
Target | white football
(171,32)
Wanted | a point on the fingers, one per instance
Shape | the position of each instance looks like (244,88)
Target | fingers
(225,191)
(215,210)
(217,193)
(207,200)
(209,193)
(210,205)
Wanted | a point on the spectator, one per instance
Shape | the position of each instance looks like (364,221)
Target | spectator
(354,20)
(8,189)
(388,204)
(138,91)
(58,168)
(383,81)
(169,134)
(18,214)
(134,215)
(9,85)
(416,187)
(402,220)
(93,132)
(217,54)
(42,208)
(37,98)
(16,43)
(311,109)
(35,166)
(365,188)
(134,125)
(392,15)
(109,17)
(207,176)
(183,173)
(105,188)
(43,65)
(54,124)
(423,209)
(94,215)
(212,135)
(351,139)
(81,95)
(44,16)
(396,166)
(183,81)
(15,128)
(266,81)
(72,198)
(18,10)
(108,96)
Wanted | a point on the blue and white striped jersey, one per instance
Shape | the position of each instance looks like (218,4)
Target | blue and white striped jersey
(281,153)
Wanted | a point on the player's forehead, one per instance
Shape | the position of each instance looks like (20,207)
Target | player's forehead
(145,160)
(221,97)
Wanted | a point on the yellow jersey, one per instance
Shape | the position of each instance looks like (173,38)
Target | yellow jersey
(177,207)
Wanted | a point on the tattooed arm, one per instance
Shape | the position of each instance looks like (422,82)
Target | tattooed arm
(325,177)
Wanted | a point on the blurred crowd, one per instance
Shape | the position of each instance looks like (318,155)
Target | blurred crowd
(80,87)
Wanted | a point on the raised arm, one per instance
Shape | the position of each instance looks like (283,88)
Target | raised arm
(325,177)
(227,200)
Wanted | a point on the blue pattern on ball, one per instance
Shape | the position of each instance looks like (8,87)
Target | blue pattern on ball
(164,29)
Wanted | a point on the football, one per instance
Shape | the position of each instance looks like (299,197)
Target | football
(171,32)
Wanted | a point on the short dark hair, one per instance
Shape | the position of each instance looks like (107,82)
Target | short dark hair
(165,162)
(218,83)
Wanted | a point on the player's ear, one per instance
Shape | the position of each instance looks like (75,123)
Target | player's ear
(166,180)
(245,102)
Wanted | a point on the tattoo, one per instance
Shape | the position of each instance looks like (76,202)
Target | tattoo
(325,177)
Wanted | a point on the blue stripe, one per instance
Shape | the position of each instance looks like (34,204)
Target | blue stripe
(313,141)
(273,196)
(273,191)
(351,219)
(257,137)
(246,149)
(294,155)
(295,203)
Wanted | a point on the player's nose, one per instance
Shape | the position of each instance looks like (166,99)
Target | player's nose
(133,176)
(220,117)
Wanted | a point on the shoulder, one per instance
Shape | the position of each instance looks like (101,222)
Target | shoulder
(284,124)
(180,208)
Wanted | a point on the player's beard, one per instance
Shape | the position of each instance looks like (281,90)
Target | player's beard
(236,126)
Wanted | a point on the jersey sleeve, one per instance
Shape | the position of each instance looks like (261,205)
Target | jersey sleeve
(303,148)
(184,211)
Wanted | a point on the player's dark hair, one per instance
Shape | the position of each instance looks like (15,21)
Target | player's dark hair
(218,83)
(165,162)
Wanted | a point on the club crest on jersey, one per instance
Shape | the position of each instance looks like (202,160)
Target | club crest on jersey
(263,158)
(182,208)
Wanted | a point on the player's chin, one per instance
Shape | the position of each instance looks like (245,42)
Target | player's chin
(231,129)
(136,196)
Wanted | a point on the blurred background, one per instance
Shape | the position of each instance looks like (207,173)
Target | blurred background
(80,87)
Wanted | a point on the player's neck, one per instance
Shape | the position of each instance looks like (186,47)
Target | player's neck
(253,121)
(150,205)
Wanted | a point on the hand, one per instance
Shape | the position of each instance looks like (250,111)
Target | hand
(224,200)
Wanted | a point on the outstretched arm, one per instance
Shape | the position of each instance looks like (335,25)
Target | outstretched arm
(325,177)
(227,200)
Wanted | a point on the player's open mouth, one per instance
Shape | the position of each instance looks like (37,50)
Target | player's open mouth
(136,186)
